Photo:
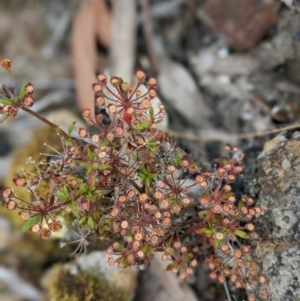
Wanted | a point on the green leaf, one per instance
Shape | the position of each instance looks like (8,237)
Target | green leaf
(61,195)
(66,192)
(172,266)
(22,92)
(147,181)
(151,112)
(208,232)
(71,128)
(240,233)
(90,154)
(5,101)
(90,222)
(29,223)
(217,242)
(3,117)
(82,220)
(141,175)
(102,166)
(143,125)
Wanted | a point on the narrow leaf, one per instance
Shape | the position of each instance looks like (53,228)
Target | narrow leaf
(29,223)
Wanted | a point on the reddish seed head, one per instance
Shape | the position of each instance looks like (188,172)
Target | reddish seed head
(95,138)
(119,131)
(7,192)
(28,101)
(122,198)
(176,208)
(154,239)
(217,208)
(13,112)
(19,182)
(86,113)
(45,234)
(170,168)
(97,88)
(199,179)
(239,168)
(100,100)
(29,88)
(264,295)
(143,197)
(166,221)
(257,210)
(138,236)
(245,249)
(194,263)
(193,168)
(124,225)
(152,93)
(114,212)
(185,163)
(24,216)
(227,188)
(152,81)
(221,279)
(213,275)
(164,204)
(204,201)
(111,261)
(164,257)
(82,133)
(231,177)
(158,194)
(237,254)
(130,110)
(102,79)
(110,136)
(130,193)
(140,75)
(251,297)
(221,171)
(224,248)
(250,226)
(186,201)
(112,109)
(140,254)
(219,236)
(145,103)
(55,226)
(35,228)
(262,279)
(115,81)
(203,184)
(232,199)
(11,205)
(233,278)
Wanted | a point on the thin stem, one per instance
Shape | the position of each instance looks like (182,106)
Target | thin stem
(46,121)
(227,291)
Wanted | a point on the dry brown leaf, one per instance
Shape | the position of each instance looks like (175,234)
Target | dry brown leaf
(86,30)
(6,64)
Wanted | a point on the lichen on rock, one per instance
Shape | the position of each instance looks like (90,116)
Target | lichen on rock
(278,244)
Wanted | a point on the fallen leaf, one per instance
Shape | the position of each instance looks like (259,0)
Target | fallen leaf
(6,64)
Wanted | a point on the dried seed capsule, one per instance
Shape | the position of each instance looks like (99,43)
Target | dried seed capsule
(55,226)
(20,182)
(35,228)
(29,88)
(97,88)
(152,81)
(11,205)
(102,79)
(140,75)
(45,234)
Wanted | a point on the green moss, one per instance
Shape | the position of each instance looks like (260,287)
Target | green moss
(63,286)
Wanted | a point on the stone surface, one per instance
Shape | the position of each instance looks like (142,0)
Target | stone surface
(279,225)
(244,22)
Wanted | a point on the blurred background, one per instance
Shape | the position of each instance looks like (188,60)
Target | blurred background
(227,71)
